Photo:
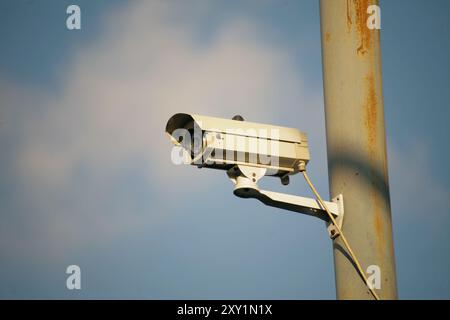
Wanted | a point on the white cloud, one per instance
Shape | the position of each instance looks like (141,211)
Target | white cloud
(119,92)
(116,97)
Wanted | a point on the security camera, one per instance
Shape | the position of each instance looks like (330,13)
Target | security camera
(217,143)
(249,151)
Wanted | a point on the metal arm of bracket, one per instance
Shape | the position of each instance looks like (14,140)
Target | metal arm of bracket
(306,206)
(247,188)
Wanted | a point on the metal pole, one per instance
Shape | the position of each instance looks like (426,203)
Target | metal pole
(356,145)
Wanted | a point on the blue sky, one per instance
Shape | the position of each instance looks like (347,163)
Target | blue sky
(86,176)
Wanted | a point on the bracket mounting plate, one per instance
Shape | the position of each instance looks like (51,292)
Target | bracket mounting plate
(332,230)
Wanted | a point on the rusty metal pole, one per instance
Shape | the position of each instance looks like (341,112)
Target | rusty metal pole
(356,145)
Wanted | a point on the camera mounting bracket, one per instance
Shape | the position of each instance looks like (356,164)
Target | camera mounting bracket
(245,179)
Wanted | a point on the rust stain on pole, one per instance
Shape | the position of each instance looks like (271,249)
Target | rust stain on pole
(371,112)
(361,23)
(371,123)
(357,9)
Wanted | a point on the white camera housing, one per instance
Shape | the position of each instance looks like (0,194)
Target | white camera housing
(223,144)
(249,151)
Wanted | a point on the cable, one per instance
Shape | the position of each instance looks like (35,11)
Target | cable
(355,260)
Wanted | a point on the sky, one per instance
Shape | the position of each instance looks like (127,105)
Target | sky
(85,170)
